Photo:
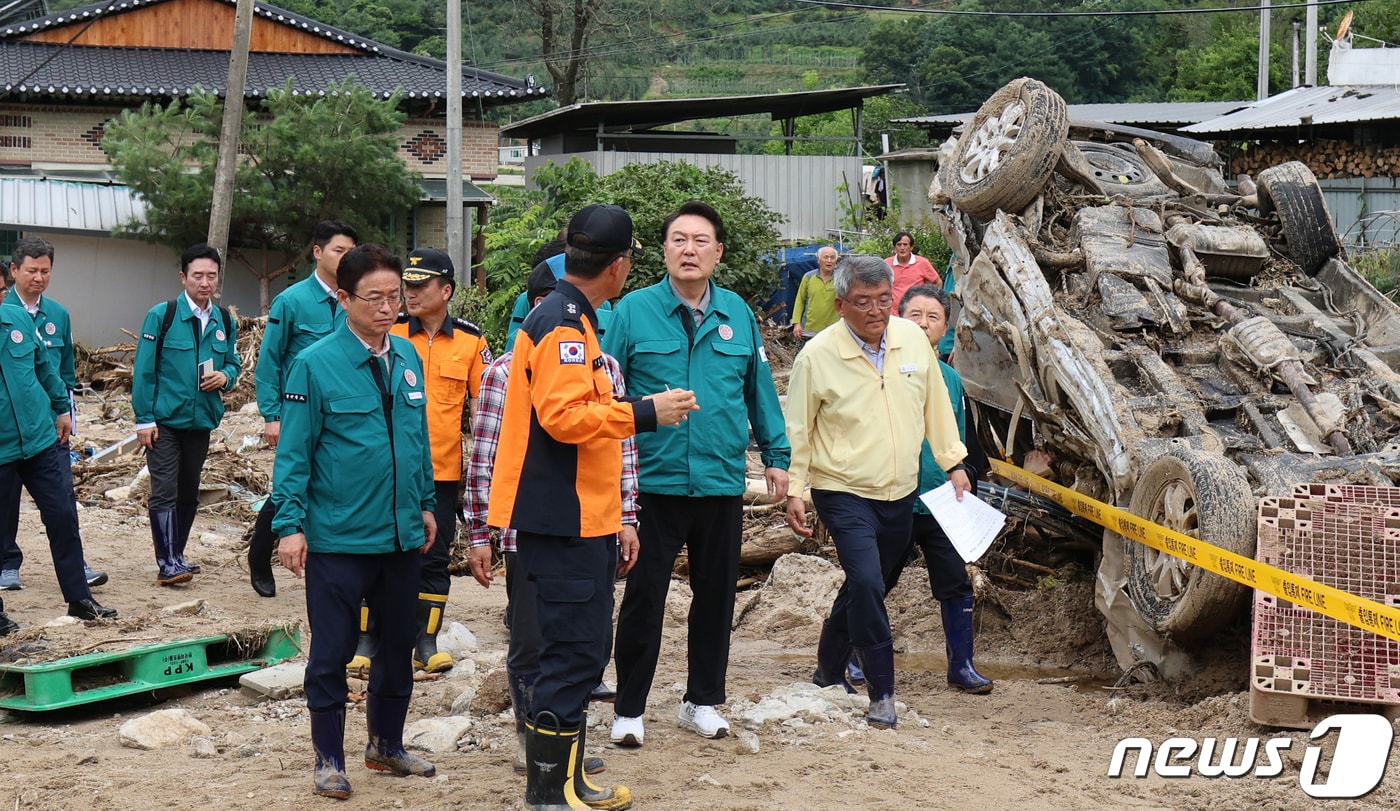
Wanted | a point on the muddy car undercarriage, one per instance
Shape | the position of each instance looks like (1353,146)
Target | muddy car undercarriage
(1179,346)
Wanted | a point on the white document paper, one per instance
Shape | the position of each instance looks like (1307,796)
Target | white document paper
(971,524)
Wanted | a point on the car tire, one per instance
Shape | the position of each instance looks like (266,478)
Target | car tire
(1291,190)
(1120,170)
(1203,495)
(1007,152)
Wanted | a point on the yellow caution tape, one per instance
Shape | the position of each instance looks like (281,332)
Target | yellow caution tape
(1333,602)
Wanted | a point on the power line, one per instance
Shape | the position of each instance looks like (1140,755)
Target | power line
(1131,13)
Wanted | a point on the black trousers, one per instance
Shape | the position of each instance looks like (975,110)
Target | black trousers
(11,556)
(48,476)
(176,462)
(711,530)
(947,572)
(335,585)
(434,578)
(573,580)
(872,542)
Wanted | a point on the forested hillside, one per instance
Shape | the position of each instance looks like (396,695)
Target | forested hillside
(675,48)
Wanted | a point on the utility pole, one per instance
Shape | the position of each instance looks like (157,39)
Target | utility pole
(1262,91)
(221,209)
(1310,42)
(455,238)
(1295,53)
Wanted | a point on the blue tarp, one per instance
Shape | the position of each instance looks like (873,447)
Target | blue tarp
(793,264)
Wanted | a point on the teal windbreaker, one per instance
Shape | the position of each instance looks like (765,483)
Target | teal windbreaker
(31,393)
(165,389)
(300,316)
(727,368)
(340,477)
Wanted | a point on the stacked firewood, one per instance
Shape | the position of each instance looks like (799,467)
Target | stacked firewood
(1326,159)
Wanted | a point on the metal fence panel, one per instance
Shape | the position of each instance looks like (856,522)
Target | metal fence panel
(802,188)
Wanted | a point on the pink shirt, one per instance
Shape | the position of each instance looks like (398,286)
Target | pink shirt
(917,271)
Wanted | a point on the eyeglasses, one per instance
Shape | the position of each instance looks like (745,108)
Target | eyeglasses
(379,301)
(868,305)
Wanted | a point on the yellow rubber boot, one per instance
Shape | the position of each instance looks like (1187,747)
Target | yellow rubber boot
(426,655)
(367,645)
(551,755)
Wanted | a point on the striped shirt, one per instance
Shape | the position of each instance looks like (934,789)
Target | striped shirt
(486,430)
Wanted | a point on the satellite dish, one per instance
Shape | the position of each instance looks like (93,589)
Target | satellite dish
(1345,26)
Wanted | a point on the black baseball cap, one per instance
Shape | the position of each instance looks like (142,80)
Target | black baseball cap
(603,229)
(428,263)
(541,281)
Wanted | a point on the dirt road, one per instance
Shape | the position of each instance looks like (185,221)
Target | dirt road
(1042,740)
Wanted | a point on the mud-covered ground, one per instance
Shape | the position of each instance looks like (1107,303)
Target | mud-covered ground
(1042,740)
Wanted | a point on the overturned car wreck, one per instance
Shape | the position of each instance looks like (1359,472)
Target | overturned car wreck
(1179,345)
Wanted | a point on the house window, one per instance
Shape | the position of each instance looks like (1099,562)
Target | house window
(8,240)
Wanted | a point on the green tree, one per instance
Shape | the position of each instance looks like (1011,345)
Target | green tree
(649,192)
(304,159)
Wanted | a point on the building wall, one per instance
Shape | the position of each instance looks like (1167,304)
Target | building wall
(52,134)
(109,284)
(908,182)
(802,188)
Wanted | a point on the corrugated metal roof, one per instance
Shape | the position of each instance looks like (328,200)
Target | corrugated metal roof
(1166,112)
(1321,105)
(645,114)
(75,207)
(66,206)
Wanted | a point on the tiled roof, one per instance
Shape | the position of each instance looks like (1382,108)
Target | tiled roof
(50,70)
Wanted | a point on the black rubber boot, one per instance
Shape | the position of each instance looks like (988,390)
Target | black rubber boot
(958,636)
(878,663)
(384,718)
(260,553)
(7,625)
(366,646)
(833,651)
(328,739)
(549,779)
(184,517)
(522,687)
(163,531)
(611,798)
(426,655)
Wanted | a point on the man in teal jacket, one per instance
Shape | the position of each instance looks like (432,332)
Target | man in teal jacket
(186,359)
(301,315)
(34,407)
(353,483)
(552,257)
(31,268)
(687,332)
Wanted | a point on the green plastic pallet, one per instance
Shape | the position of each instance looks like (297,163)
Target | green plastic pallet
(100,676)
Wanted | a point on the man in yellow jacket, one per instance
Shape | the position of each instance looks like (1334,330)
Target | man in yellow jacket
(863,397)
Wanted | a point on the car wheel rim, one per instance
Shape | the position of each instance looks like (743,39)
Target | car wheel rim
(990,143)
(1176,510)
(1117,168)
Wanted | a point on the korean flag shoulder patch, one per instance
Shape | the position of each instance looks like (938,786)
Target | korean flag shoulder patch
(572,352)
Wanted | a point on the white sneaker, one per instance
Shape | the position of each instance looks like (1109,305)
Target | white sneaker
(628,731)
(703,719)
